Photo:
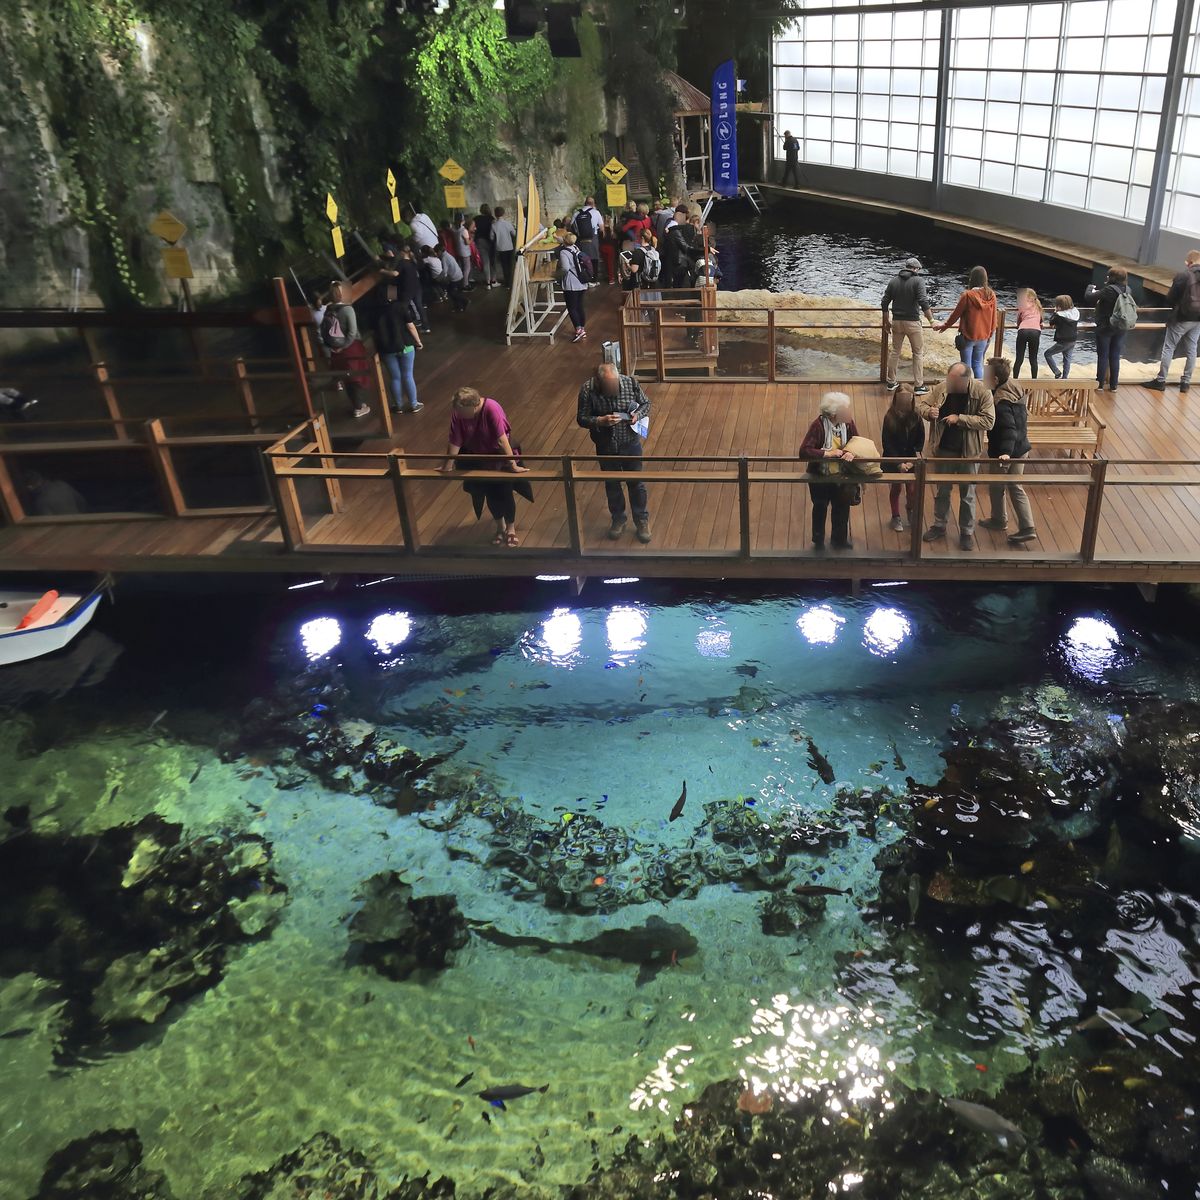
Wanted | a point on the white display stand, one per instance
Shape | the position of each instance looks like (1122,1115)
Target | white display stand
(534,308)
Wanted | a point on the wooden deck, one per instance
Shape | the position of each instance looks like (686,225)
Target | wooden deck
(1144,534)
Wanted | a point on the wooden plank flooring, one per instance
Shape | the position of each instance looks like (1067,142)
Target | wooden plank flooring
(1145,533)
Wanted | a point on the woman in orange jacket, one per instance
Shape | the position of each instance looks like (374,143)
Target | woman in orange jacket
(976,317)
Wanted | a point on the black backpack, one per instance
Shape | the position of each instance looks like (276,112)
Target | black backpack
(582,226)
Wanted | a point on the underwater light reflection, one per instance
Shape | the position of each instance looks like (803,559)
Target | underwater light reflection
(558,641)
(799,1050)
(820,625)
(626,629)
(1091,647)
(885,631)
(714,643)
(319,636)
(387,630)
(663,1079)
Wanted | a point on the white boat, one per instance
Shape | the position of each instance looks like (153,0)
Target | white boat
(37,623)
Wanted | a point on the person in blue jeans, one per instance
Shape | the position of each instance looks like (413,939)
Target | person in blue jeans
(1065,320)
(975,314)
(397,340)
(1110,339)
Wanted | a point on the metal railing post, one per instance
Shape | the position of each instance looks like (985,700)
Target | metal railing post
(1091,515)
(408,527)
(568,481)
(743,480)
(918,511)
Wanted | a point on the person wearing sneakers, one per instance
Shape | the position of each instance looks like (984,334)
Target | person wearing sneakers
(347,354)
(611,408)
(961,412)
(903,303)
(1008,447)
(1183,325)
(574,283)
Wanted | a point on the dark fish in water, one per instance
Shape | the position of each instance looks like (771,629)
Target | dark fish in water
(651,946)
(896,759)
(677,811)
(913,893)
(988,1120)
(113,794)
(820,763)
(643,697)
(748,669)
(509,1091)
(815,889)
(150,727)
(465,1079)
(486,1117)
(24,1031)
(196,773)
(1108,1018)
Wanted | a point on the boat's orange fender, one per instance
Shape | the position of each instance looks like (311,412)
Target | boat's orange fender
(39,610)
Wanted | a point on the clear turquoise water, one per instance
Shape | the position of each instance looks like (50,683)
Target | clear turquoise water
(570,709)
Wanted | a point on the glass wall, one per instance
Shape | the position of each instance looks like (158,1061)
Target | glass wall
(1181,210)
(1056,102)
(1060,102)
(860,90)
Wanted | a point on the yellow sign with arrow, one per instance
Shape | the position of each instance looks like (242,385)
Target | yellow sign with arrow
(614,170)
(451,170)
(331,209)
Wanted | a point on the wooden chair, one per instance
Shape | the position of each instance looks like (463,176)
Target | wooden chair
(1061,416)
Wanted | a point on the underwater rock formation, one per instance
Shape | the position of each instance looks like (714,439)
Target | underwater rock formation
(1162,767)
(399,934)
(301,717)
(131,921)
(323,1167)
(782,914)
(106,1165)
(581,865)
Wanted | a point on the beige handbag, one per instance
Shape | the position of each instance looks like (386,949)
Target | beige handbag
(861,448)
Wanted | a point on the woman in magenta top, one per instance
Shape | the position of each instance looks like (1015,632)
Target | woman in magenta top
(479,426)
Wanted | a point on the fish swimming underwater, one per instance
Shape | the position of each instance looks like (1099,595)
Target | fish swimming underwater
(986,1119)
(816,889)
(677,811)
(820,763)
(650,946)
(509,1091)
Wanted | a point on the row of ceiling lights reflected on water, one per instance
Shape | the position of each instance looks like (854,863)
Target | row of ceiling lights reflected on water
(1090,644)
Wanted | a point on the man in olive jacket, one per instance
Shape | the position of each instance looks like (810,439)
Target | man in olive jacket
(960,412)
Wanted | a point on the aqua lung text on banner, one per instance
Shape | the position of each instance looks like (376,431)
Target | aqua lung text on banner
(724,129)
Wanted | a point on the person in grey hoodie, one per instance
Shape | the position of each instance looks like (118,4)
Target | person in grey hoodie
(906,299)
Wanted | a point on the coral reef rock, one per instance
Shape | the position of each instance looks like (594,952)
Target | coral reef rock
(105,1165)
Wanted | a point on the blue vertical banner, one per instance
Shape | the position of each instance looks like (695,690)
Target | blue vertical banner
(724,129)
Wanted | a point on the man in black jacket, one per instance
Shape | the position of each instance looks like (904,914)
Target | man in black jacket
(1183,327)
(905,297)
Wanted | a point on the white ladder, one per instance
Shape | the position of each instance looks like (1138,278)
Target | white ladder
(753,195)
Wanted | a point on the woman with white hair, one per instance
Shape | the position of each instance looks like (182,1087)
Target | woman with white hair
(824,447)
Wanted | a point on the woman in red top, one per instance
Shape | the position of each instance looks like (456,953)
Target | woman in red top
(975,313)
(479,426)
(824,447)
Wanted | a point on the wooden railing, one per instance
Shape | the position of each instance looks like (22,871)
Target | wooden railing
(676,334)
(1097,477)
(145,446)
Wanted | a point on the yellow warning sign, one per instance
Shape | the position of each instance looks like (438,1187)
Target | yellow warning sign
(451,170)
(391,182)
(456,196)
(395,211)
(339,248)
(176,262)
(618,195)
(168,227)
(614,170)
(331,209)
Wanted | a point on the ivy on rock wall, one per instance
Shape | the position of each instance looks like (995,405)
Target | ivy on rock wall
(242,116)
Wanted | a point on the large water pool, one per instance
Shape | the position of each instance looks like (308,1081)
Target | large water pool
(289,882)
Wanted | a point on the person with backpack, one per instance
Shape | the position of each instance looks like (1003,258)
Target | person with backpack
(397,340)
(682,250)
(587,225)
(1116,314)
(1183,326)
(339,335)
(651,271)
(632,264)
(575,272)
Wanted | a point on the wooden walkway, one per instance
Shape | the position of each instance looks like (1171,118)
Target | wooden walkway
(1145,534)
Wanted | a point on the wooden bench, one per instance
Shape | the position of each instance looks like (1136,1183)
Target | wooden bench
(1061,416)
